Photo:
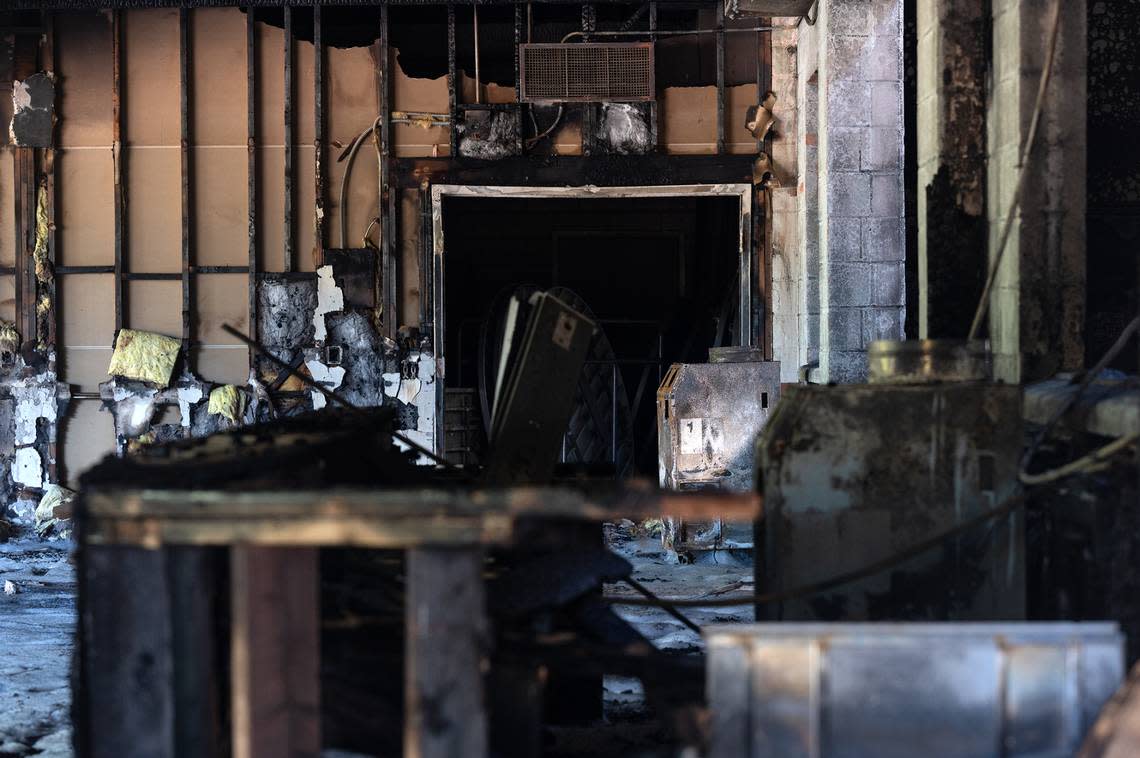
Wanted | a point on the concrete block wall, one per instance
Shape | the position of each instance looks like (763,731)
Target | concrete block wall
(861,214)
(1037,307)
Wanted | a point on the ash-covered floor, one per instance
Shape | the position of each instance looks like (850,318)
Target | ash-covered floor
(37,624)
(37,628)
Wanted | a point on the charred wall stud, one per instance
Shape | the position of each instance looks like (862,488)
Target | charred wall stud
(117,158)
(184,156)
(318,139)
(452,83)
(288,114)
(389,206)
(720,78)
(251,172)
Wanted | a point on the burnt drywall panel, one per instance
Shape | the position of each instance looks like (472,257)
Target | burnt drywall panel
(85,436)
(155,306)
(85,220)
(7,202)
(86,308)
(224,364)
(8,298)
(688,119)
(408,253)
(424,96)
(351,107)
(154,210)
(270,85)
(220,206)
(150,77)
(83,74)
(217,76)
(220,299)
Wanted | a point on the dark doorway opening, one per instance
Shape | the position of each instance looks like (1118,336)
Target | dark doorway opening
(659,274)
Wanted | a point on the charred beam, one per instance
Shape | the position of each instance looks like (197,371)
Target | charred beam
(519,105)
(601,170)
(48,295)
(653,103)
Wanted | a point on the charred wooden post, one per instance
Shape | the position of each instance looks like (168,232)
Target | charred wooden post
(520,107)
(653,102)
(318,140)
(445,652)
(46,303)
(275,652)
(389,198)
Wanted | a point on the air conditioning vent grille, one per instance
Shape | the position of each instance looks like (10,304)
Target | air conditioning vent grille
(587,72)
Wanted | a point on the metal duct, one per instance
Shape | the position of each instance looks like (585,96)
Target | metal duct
(587,72)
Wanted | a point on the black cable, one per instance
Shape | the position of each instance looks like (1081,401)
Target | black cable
(1089,377)
(662,604)
(1008,506)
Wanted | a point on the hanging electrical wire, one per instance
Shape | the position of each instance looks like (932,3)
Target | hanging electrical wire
(349,154)
(1027,151)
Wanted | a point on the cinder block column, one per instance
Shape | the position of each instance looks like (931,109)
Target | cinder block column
(951,139)
(1037,307)
(862,221)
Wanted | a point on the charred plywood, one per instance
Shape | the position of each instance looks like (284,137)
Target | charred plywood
(33,106)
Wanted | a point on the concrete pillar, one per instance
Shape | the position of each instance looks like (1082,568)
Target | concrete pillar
(1037,308)
(787,201)
(861,215)
(952,72)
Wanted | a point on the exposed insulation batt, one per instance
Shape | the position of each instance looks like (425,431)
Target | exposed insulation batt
(144,356)
(227,401)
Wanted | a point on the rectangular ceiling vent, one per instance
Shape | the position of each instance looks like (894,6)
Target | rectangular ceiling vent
(587,72)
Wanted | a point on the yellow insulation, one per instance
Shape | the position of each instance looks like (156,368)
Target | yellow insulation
(227,401)
(43,226)
(145,356)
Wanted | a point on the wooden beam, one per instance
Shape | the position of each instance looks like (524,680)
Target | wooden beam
(720,105)
(445,651)
(275,652)
(389,196)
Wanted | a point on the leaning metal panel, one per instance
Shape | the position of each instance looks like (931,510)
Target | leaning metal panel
(587,72)
(886,690)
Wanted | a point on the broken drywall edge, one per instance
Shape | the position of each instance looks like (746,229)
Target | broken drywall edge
(187,397)
(330,299)
(35,399)
(391,383)
(329,377)
(27,468)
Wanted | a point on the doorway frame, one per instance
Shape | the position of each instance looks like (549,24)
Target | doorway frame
(741,191)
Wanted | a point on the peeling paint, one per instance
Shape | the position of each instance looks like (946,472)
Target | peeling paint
(330,299)
(330,377)
(28,468)
(35,400)
(187,397)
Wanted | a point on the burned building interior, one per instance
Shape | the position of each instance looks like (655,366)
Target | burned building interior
(518,378)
